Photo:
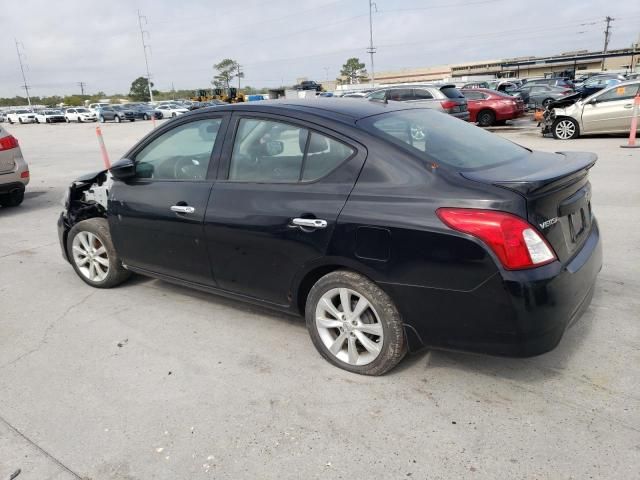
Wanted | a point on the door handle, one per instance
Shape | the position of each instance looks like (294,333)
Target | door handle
(182,209)
(309,222)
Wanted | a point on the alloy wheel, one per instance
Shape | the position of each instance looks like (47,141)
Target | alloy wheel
(349,326)
(565,129)
(90,256)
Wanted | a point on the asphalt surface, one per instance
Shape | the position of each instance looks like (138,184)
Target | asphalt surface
(153,381)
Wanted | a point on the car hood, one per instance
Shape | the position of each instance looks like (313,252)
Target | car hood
(566,101)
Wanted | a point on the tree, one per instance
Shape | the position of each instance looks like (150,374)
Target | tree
(228,69)
(140,90)
(353,70)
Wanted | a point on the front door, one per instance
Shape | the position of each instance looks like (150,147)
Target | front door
(612,110)
(156,219)
(281,187)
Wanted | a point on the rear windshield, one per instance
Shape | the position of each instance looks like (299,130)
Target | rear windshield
(452,92)
(435,136)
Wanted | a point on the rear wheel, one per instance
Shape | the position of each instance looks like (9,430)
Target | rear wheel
(101,119)
(145,117)
(486,118)
(12,199)
(174,115)
(565,128)
(546,102)
(93,256)
(66,119)
(354,324)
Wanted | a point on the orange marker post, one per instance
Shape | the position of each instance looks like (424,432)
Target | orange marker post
(103,149)
(634,124)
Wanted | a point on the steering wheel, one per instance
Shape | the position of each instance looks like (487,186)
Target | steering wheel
(187,169)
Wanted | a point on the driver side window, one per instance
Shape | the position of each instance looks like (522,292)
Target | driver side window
(182,153)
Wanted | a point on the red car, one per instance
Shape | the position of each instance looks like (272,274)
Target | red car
(488,107)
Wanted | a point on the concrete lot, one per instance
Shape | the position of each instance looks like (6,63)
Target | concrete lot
(153,381)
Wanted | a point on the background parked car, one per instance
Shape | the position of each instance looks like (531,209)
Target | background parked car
(79,114)
(3,116)
(145,112)
(94,107)
(309,85)
(488,107)
(540,95)
(169,110)
(607,111)
(21,116)
(50,116)
(14,171)
(550,82)
(597,83)
(446,97)
(115,113)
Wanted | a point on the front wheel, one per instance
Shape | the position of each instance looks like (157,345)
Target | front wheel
(66,119)
(101,119)
(546,102)
(93,255)
(79,120)
(19,120)
(354,324)
(565,128)
(117,119)
(10,121)
(174,115)
(145,117)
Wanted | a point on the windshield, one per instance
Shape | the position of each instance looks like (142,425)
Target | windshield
(439,137)
(81,110)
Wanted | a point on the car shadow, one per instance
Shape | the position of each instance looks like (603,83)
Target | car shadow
(33,200)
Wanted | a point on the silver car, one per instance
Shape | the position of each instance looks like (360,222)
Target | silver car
(607,111)
(14,171)
(445,98)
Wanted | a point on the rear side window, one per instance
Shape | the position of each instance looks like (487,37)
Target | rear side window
(471,95)
(434,136)
(267,151)
(422,94)
(400,94)
(619,93)
(452,92)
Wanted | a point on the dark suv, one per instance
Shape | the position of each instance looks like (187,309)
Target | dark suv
(309,85)
(117,113)
(441,97)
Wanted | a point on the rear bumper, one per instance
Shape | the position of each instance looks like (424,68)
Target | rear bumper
(461,115)
(11,187)
(517,313)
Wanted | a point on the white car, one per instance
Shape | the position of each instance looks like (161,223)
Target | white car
(169,111)
(79,114)
(49,116)
(94,107)
(21,116)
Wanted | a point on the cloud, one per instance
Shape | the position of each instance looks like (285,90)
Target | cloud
(278,41)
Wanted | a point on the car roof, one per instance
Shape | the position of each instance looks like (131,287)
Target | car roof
(347,110)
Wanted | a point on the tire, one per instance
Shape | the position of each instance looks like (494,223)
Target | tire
(79,120)
(12,199)
(105,269)
(19,120)
(174,115)
(145,117)
(565,128)
(66,119)
(546,102)
(486,118)
(373,353)
(38,121)
(132,119)
(117,119)
(101,119)
(10,121)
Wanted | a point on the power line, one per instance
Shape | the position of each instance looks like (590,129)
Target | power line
(144,49)
(24,78)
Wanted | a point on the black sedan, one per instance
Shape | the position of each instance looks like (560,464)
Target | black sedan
(334,210)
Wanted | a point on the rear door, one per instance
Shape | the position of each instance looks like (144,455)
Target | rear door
(281,186)
(612,110)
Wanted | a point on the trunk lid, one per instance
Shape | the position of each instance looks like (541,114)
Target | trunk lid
(557,192)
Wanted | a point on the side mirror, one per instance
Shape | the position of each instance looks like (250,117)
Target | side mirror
(123,169)
(273,148)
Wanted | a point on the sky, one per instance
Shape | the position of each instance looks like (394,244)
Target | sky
(64,42)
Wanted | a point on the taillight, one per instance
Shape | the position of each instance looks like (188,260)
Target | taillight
(8,142)
(448,104)
(514,241)
(25,174)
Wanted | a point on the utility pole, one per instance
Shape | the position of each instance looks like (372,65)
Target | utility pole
(239,77)
(326,73)
(173,91)
(82,84)
(144,49)
(24,78)
(607,36)
(371,50)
